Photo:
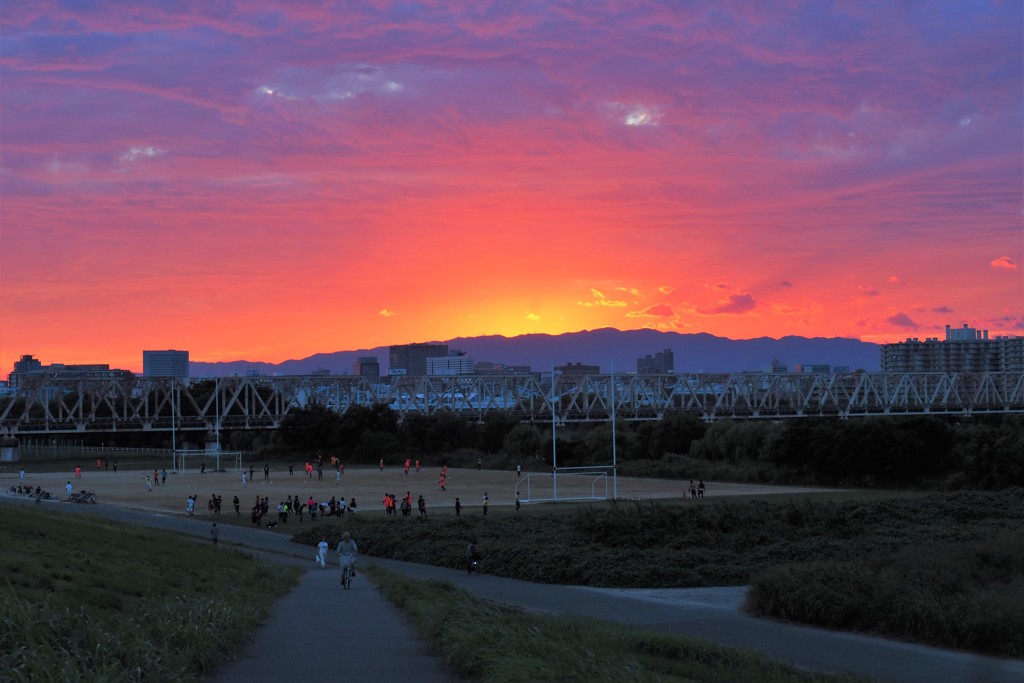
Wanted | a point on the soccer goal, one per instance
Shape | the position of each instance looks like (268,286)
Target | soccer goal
(567,483)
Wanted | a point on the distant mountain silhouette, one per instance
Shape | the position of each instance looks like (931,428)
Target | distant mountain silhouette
(608,348)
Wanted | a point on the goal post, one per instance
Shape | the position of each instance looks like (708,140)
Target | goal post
(573,483)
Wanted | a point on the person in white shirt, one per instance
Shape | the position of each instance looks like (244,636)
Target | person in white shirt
(321,552)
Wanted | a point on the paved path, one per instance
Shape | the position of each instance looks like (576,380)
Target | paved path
(710,613)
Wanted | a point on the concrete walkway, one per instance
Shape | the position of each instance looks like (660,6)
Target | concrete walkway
(285,644)
(321,632)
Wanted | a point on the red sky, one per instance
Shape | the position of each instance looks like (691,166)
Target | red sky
(265,181)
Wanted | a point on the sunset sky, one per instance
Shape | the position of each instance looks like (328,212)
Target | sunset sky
(265,181)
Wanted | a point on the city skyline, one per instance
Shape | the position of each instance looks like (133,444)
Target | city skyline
(281,180)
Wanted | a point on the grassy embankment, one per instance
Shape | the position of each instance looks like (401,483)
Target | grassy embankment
(733,543)
(482,641)
(90,600)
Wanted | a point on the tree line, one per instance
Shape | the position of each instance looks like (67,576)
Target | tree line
(926,451)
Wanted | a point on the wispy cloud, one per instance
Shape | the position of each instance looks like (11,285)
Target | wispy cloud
(386,313)
(655,311)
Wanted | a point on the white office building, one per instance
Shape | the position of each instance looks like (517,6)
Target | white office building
(455,363)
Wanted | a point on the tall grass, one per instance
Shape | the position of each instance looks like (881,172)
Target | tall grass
(707,543)
(482,641)
(90,600)
(968,596)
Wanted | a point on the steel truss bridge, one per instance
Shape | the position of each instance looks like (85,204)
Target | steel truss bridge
(235,403)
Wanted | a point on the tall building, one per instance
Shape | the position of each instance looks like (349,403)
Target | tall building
(455,363)
(661,363)
(411,359)
(168,363)
(965,349)
(368,367)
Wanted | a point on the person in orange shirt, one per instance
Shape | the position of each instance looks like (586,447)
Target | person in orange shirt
(417,464)
(78,473)
(407,463)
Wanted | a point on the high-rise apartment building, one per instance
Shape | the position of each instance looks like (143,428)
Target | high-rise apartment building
(965,349)
(168,363)
(661,363)
(411,359)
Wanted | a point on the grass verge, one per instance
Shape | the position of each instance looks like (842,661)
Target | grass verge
(482,641)
(90,600)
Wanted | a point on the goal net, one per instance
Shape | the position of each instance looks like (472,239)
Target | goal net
(568,483)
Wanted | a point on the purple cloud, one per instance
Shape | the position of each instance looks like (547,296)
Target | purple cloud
(736,304)
(902,320)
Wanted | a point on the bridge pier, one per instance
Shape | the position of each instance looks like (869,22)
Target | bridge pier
(9,449)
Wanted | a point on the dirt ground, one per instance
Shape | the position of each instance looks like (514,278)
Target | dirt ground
(365,484)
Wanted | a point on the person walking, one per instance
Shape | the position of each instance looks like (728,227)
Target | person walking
(149,483)
(244,479)
(458,506)
(472,557)
(163,477)
(78,473)
(236,502)
(518,504)
(115,465)
(266,472)
(519,470)
(190,505)
(486,503)
(321,553)
(422,505)
(214,533)
(68,488)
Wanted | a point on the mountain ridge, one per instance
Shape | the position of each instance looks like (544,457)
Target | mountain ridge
(608,348)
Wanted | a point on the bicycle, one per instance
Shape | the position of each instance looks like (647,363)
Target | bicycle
(347,565)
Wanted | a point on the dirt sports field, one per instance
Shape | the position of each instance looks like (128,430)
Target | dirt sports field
(366,484)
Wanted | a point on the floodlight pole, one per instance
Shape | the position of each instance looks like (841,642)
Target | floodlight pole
(174,446)
(554,440)
(216,388)
(615,470)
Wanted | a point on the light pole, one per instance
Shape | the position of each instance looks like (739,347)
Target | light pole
(554,440)
(174,444)
(615,469)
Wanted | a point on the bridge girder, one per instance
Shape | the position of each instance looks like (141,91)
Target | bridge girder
(154,404)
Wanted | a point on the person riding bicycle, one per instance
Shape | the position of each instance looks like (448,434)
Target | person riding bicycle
(472,556)
(347,552)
